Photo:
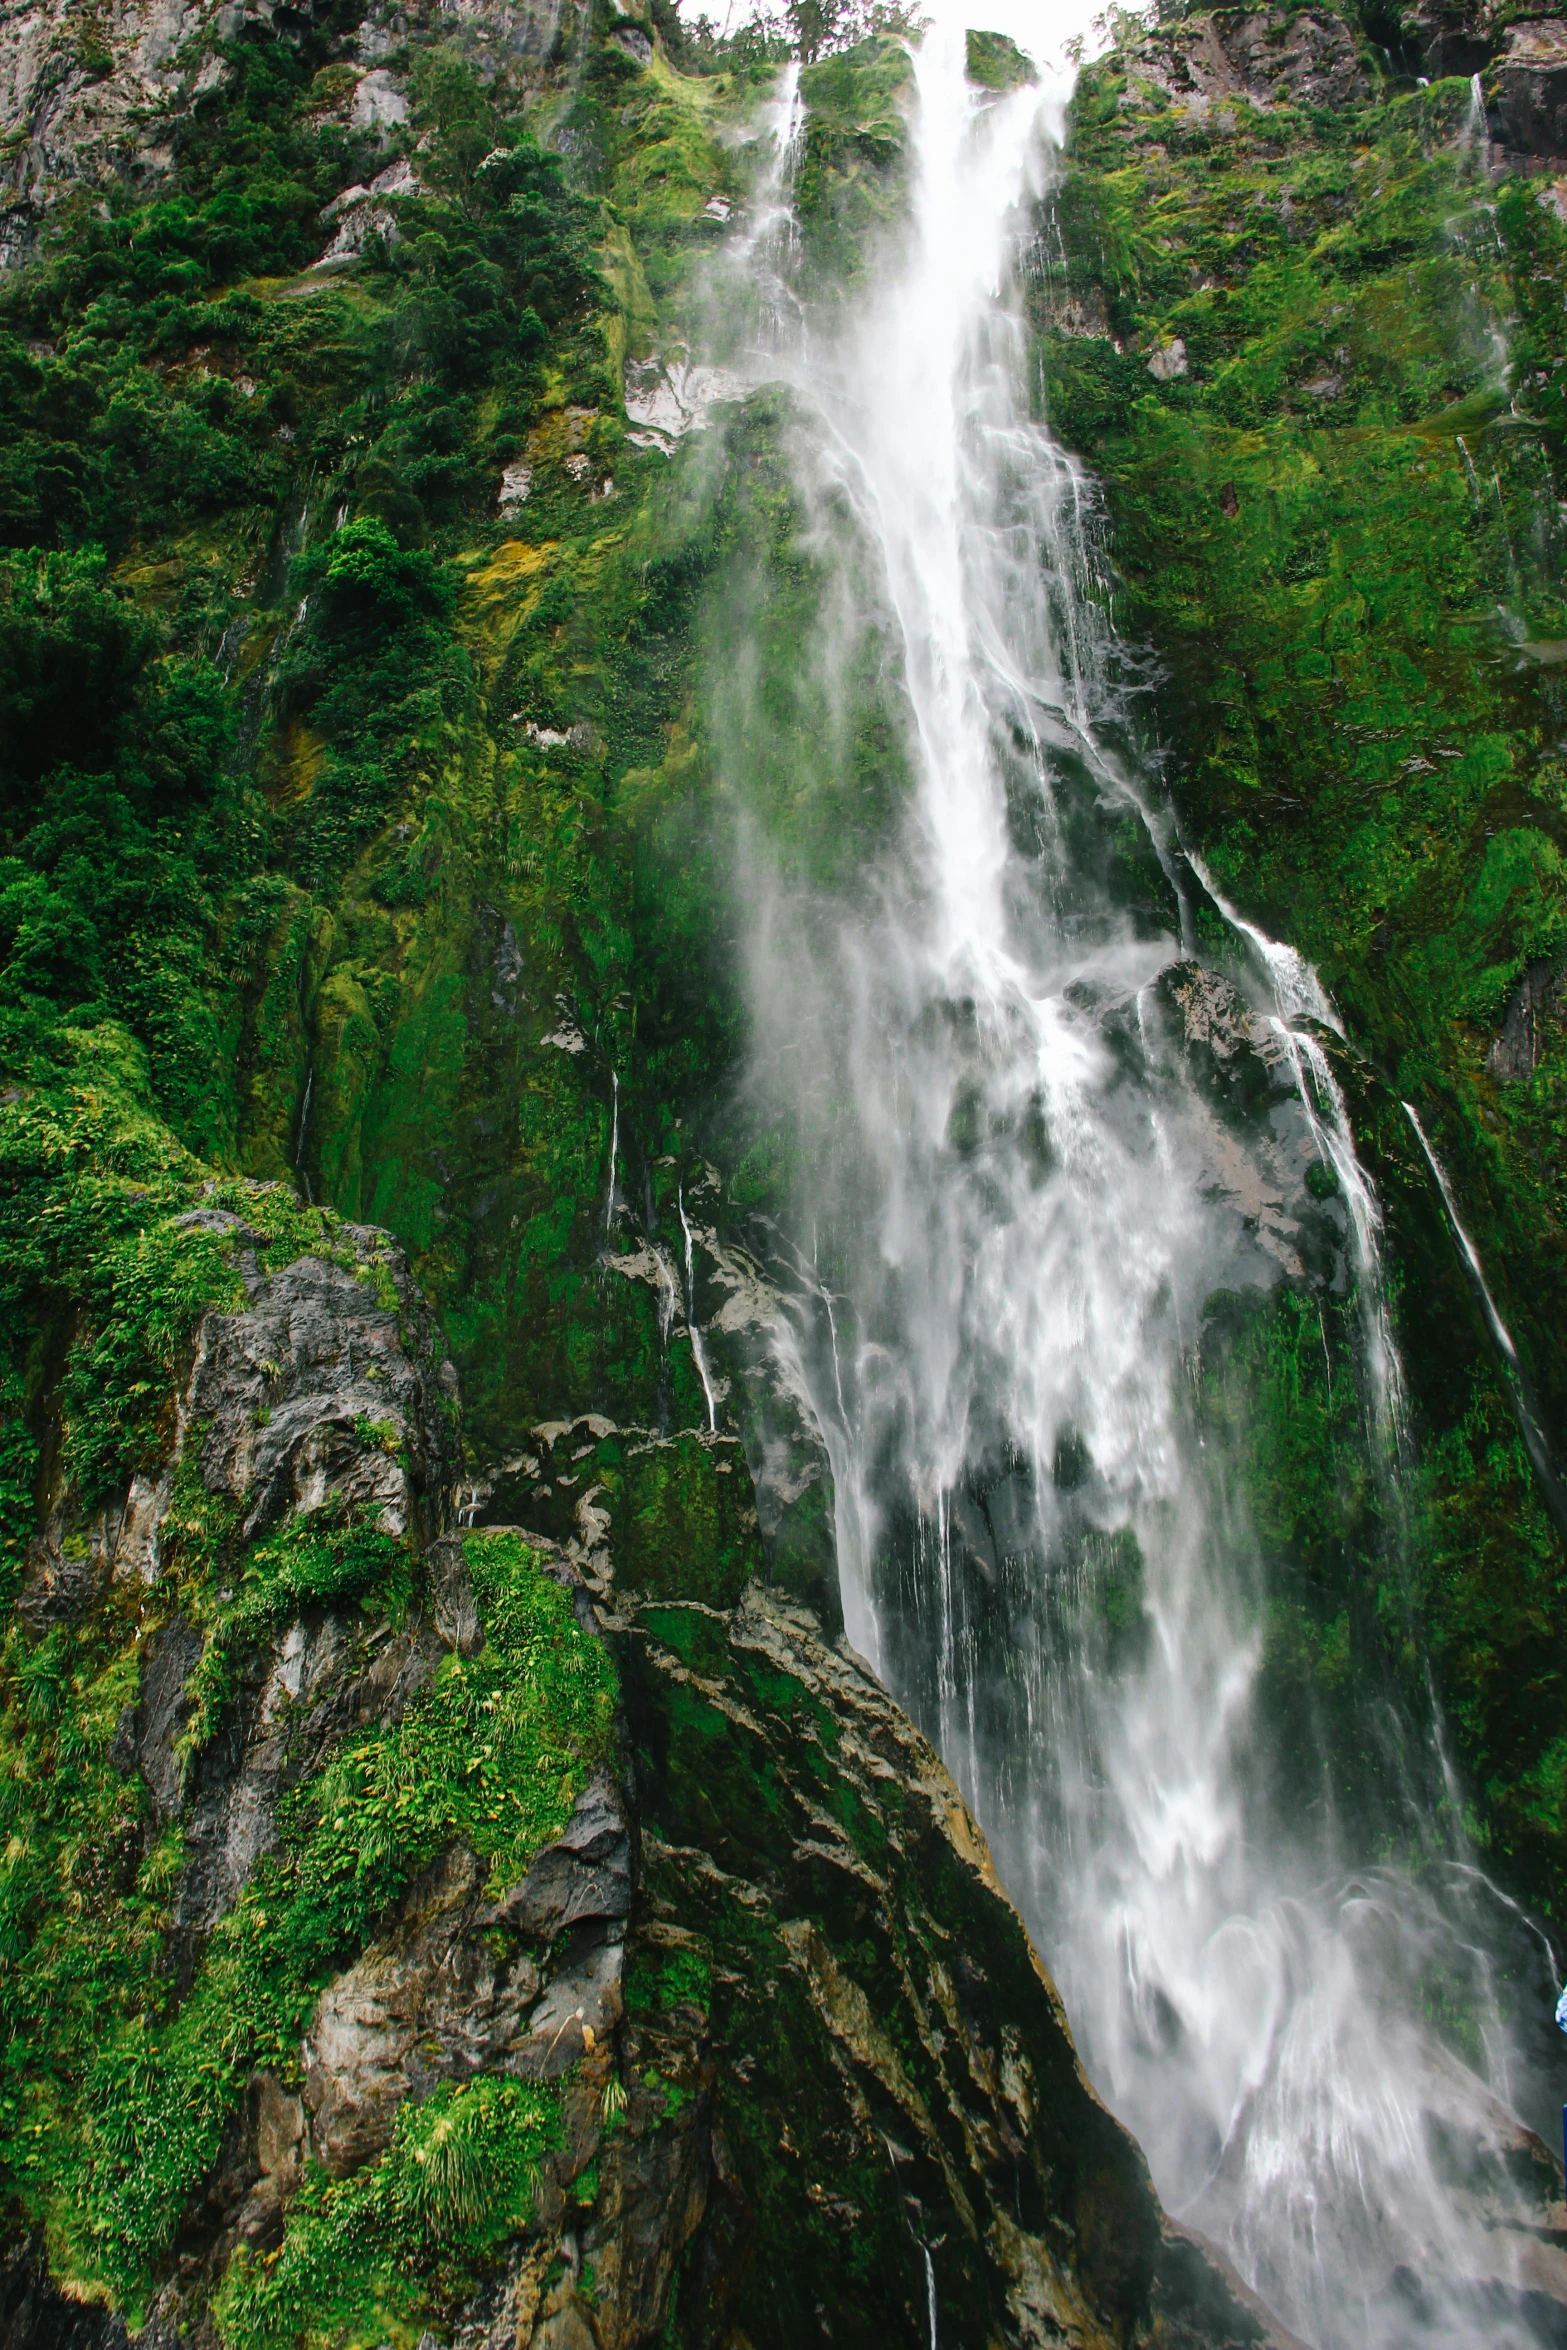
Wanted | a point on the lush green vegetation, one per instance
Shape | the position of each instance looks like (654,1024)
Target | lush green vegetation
(115,2088)
(1333,512)
(367,2258)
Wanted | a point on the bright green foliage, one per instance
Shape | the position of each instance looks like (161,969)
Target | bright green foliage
(850,178)
(365,2257)
(1334,515)
(115,2087)
(318,1561)
(494,1758)
(996,63)
(102,1284)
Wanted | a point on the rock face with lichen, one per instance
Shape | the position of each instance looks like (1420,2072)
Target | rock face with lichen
(493,2007)
(886,2098)
(460,1890)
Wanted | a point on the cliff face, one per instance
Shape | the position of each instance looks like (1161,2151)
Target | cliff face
(1308,332)
(416,1934)
(456,1886)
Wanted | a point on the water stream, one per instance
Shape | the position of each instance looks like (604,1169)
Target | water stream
(1024,1206)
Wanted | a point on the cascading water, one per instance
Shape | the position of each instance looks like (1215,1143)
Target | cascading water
(1028,1207)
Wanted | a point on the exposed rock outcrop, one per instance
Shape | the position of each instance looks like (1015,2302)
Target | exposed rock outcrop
(1527,88)
(86,97)
(1269,56)
(100,96)
(789,2049)
(888,2097)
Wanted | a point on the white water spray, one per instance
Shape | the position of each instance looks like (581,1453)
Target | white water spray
(1035,1547)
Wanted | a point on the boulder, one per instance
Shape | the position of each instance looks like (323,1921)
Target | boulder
(1527,88)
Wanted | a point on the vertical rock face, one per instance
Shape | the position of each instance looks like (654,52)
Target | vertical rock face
(284,1394)
(728,2036)
(893,2124)
(1272,56)
(1529,85)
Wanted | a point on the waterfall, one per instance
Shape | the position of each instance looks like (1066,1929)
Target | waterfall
(1038,1548)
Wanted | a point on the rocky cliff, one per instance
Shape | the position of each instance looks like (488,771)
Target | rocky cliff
(1304,320)
(417,1934)
(457,1887)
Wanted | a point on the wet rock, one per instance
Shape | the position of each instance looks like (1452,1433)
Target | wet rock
(1448,39)
(890,2067)
(654,2190)
(579,2009)
(757,1321)
(150,1735)
(332,1390)
(654,1513)
(423,1982)
(322,1391)
(585,1875)
(1528,88)
(448,1990)
(1532,1023)
(452,1602)
(327,1676)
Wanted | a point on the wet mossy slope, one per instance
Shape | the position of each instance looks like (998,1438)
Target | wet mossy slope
(1301,303)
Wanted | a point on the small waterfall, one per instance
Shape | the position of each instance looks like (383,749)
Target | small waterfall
(1300,1003)
(1501,1337)
(698,1349)
(1036,1544)
(1472,138)
(611,1195)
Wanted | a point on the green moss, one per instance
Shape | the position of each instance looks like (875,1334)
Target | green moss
(1337,528)
(369,2258)
(996,63)
(115,2089)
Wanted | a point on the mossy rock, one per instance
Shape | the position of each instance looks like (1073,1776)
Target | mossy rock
(993,62)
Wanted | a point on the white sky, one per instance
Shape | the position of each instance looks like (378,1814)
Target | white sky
(1041,27)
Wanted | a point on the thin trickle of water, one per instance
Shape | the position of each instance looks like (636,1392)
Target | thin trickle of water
(1300,1001)
(304,1133)
(612,1195)
(1038,1547)
(698,1348)
(1501,1337)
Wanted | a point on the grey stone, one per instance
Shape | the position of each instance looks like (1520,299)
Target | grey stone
(327,1676)
(1529,88)
(280,1396)
(451,1596)
(56,1589)
(1533,1020)
(162,1711)
(1268,56)
(430,2000)
(585,1874)
(581,2006)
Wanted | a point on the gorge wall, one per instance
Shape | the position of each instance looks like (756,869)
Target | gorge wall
(458,1885)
